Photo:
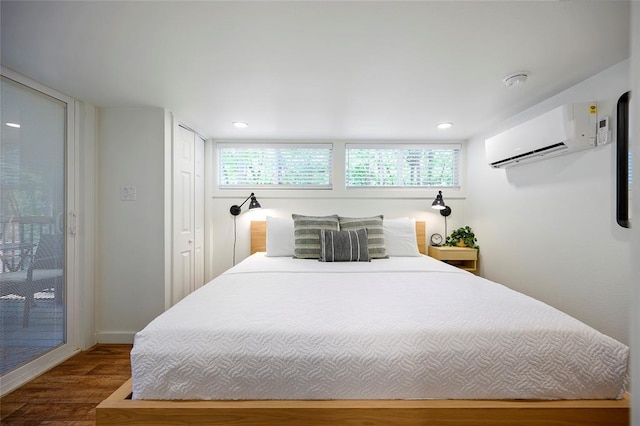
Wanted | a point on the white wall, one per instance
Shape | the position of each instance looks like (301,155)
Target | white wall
(130,273)
(86,123)
(548,229)
(635,144)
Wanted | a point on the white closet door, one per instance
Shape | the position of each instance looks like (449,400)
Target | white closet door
(184,246)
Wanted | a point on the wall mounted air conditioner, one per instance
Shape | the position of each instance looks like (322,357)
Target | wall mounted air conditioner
(568,128)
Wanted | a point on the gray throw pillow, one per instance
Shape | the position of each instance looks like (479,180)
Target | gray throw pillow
(305,234)
(344,246)
(375,232)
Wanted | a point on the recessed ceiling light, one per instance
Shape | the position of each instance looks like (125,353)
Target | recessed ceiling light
(445,125)
(516,79)
(15,125)
(240,124)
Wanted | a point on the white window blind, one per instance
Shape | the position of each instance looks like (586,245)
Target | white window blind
(274,165)
(391,165)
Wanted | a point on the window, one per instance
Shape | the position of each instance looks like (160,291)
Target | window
(392,165)
(274,165)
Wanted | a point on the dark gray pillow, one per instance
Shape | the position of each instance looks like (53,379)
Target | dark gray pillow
(375,232)
(305,234)
(344,246)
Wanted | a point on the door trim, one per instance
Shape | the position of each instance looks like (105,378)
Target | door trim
(23,374)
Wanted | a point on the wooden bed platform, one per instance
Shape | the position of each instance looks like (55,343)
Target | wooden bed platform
(120,409)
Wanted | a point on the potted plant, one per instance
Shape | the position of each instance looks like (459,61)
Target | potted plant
(462,237)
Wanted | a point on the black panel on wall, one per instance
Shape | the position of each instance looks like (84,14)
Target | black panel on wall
(622,162)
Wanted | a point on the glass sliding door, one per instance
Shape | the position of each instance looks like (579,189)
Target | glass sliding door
(33,243)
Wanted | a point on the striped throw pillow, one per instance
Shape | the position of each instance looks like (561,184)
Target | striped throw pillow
(306,234)
(375,232)
(344,246)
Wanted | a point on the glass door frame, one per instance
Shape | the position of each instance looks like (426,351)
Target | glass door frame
(23,374)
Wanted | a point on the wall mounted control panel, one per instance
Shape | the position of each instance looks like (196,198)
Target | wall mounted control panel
(603,135)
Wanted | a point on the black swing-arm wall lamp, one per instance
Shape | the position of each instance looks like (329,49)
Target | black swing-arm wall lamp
(254,204)
(438,204)
(235,210)
(445,210)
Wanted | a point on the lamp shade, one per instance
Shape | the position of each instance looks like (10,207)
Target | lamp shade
(438,203)
(254,204)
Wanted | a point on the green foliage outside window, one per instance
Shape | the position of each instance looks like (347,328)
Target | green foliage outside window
(287,167)
(391,167)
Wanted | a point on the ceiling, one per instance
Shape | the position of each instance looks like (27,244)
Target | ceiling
(316,70)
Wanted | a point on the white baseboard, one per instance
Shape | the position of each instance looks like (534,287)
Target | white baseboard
(21,375)
(122,337)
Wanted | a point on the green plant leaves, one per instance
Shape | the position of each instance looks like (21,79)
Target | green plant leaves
(464,234)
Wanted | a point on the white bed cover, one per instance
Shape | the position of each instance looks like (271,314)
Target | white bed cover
(399,328)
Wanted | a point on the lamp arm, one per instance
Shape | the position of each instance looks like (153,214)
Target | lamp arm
(246,200)
(235,209)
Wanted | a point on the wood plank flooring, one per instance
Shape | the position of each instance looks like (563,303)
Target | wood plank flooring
(69,393)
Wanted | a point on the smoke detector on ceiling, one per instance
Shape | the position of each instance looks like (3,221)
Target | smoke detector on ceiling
(516,79)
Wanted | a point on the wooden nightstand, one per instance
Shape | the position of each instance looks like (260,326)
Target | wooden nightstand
(461,257)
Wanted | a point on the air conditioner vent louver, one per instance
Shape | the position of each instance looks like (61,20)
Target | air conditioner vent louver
(560,131)
(558,147)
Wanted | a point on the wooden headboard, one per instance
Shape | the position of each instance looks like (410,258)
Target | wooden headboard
(259,236)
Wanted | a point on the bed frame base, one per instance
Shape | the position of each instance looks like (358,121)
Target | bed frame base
(119,409)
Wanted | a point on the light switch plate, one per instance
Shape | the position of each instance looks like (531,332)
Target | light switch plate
(128,193)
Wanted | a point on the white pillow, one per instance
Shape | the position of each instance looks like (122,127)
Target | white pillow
(280,240)
(400,237)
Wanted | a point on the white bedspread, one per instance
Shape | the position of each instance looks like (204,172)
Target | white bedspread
(399,328)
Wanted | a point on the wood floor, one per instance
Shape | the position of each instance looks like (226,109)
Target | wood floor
(69,393)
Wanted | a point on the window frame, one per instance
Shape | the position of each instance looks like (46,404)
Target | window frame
(339,191)
(400,146)
(219,145)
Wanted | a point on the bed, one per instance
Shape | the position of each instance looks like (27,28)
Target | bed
(345,346)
